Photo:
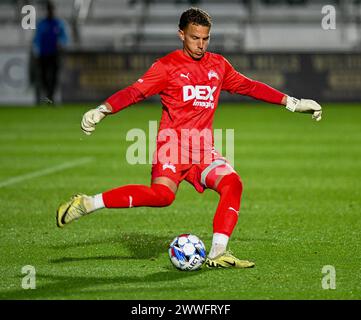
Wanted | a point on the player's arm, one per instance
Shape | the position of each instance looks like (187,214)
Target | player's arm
(152,82)
(235,82)
(63,39)
(116,102)
(37,38)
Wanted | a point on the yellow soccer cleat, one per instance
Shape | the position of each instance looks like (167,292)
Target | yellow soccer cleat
(227,260)
(71,210)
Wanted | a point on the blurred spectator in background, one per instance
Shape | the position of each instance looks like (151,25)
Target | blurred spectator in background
(49,41)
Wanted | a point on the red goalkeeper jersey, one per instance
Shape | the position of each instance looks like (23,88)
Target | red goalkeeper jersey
(189,91)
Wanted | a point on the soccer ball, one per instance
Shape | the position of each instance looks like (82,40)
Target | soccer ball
(187,252)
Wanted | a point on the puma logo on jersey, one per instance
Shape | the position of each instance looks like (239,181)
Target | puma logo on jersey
(169,166)
(198,92)
(182,75)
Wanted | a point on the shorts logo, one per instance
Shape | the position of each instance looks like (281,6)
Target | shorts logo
(169,166)
(212,74)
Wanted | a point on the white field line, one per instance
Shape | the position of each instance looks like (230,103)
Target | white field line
(44,172)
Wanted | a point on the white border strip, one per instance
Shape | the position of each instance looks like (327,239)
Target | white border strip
(214,164)
(44,172)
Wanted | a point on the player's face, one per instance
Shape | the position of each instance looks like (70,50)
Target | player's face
(195,40)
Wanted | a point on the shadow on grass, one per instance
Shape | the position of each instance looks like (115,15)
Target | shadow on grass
(98,258)
(65,287)
(140,246)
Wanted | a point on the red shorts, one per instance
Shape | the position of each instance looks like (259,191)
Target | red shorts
(196,174)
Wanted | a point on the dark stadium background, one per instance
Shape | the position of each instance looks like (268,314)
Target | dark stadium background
(301,204)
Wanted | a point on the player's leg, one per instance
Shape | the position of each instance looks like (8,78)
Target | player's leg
(43,77)
(52,76)
(221,177)
(161,193)
(48,74)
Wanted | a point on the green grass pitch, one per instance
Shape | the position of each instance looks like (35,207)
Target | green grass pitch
(300,208)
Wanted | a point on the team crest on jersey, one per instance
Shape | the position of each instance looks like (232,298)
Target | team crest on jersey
(212,74)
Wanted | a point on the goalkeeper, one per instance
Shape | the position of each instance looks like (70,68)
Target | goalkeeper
(189,82)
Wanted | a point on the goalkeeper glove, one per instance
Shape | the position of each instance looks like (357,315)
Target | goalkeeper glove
(92,117)
(306,106)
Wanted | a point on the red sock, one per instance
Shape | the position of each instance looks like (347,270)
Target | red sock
(157,195)
(226,216)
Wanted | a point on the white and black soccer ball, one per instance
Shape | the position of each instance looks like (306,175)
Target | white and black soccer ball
(187,252)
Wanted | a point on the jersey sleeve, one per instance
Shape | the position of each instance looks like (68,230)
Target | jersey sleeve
(36,40)
(235,82)
(124,98)
(153,81)
(63,34)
